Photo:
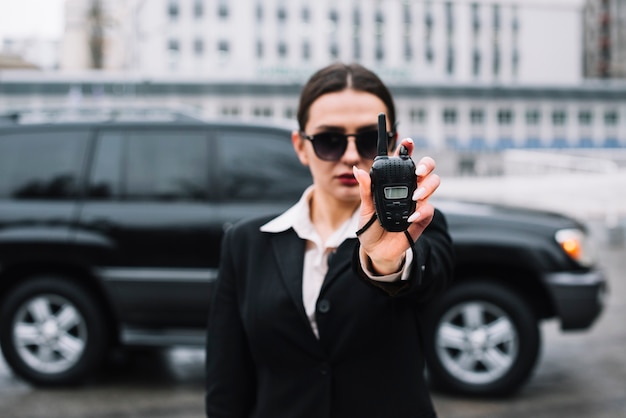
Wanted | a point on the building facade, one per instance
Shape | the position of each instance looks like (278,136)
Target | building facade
(482,41)
(604,43)
(463,117)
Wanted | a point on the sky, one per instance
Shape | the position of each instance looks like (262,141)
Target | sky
(31,18)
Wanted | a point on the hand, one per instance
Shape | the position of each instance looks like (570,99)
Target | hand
(386,249)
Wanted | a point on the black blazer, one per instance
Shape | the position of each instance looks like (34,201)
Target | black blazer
(263,359)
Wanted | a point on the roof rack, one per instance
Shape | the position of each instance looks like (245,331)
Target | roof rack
(41,115)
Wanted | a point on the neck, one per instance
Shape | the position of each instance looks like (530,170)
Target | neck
(328,214)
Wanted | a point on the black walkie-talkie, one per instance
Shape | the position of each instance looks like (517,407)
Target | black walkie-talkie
(393,183)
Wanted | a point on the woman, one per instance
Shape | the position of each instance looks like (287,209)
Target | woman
(308,319)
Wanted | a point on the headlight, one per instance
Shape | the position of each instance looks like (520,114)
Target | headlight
(575,244)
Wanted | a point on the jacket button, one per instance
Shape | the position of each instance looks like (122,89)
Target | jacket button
(323,306)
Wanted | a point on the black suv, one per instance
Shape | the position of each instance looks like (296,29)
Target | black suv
(110,236)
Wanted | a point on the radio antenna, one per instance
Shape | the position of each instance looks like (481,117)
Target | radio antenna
(382,135)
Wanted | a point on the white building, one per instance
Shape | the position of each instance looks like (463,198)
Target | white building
(463,117)
(503,41)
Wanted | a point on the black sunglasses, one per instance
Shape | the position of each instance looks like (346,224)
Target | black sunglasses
(330,146)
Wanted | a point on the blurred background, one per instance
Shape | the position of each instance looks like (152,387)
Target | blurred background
(520,102)
(490,88)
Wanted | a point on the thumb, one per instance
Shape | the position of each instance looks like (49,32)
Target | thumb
(365,189)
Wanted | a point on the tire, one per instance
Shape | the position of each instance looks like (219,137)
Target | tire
(482,340)
(52,331)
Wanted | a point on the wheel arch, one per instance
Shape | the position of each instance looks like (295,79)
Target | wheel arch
(519,279)
(14,275)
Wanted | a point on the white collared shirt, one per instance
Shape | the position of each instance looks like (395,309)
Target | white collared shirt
(316,254)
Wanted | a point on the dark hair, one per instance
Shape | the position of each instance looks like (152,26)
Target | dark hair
(337,77)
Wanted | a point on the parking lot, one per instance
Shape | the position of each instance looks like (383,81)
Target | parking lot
(578,375)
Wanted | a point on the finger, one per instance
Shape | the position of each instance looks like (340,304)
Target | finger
(420,219)
(407,143)
(365,189)
(425,166)
(426,187)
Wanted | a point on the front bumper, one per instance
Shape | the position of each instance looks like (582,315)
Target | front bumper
(578,297)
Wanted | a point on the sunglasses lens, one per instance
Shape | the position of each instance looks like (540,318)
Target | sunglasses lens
(367,144)
(329,146)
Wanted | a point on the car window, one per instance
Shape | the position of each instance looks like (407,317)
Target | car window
(150,165)
(259,166)
(41,165)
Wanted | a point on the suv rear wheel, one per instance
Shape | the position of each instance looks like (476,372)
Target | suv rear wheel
(52,331)
(482,340)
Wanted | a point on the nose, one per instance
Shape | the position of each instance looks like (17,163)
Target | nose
(351,154)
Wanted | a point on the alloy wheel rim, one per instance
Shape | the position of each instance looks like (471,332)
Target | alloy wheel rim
(477,342)
(49,333)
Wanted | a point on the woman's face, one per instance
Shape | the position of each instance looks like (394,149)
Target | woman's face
(347,111)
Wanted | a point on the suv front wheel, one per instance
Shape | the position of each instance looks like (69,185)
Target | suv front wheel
(52,331)
(482,339)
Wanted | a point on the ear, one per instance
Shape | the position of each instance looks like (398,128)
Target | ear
(299,147)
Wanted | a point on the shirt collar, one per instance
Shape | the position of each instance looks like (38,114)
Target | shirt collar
(298,217)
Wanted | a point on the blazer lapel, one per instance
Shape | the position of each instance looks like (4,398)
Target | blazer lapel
(289,253)
(340,261)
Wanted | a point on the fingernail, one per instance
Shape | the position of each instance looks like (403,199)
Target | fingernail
(410,140)
(419,193)
(420,170)
(413,217)
(355,171)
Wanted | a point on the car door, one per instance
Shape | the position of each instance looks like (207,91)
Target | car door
(256,173)
(149,218)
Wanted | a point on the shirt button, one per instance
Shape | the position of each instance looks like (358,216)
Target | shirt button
(323,306)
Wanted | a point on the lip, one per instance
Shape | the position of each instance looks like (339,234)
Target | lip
(347,179)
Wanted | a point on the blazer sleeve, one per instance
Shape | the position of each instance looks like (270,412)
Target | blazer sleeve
(230,377)
(431,269)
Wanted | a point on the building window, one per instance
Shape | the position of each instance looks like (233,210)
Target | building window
(418,116)
(173,9)
(290,113)
(477,117)
(222,9)
(282,49)
(449,116)
(265,112)
(449,18)
(356,34)
(496,60)
(611,118)
(230,111)
(476,63)
(306,14)
(223,48)
(533,117)
(450,61)
(333,16)
(198,9)
(356,48)
(505,117)
(406,13)
(334,50)
(559,118)
(306,50)
(496,17)
(585,118)
(173,51)
(259,49)
(476,17)
(198,47)
(281,13)
(259,12)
